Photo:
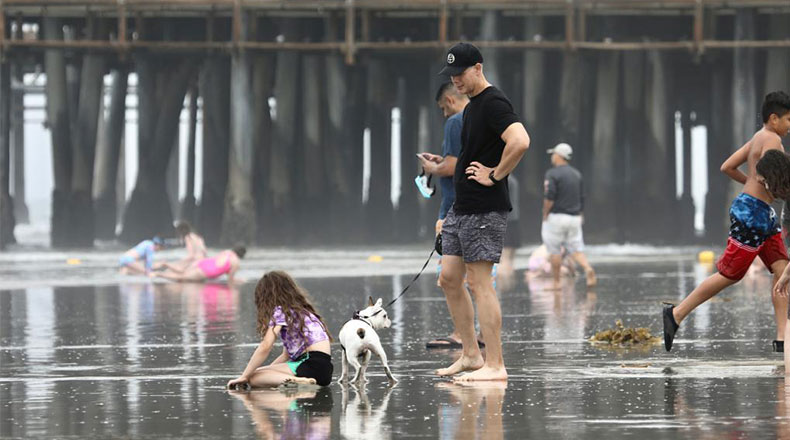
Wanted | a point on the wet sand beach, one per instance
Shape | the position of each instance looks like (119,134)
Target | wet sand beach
(85,353)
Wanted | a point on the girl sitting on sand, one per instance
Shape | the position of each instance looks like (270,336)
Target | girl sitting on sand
(285,309)
(194,244)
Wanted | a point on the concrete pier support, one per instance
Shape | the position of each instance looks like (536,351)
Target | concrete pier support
(489,27)
(187,211)
(162,86)
(744,96)
(314,183)
(21,213)
(658,162)
(7,222)
(720,146)
(777,61)
(570,98)
(282,165)
(338,158)
(238,223)
(353,136)
(215,90)
(108,155)
(377,218)
(60,130)
(604,175)
(412,90)
(533,113)
(84,150)
(262,85)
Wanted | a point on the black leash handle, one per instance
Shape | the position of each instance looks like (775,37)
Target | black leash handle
(413,280)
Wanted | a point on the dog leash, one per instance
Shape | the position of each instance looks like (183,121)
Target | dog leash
(402,292)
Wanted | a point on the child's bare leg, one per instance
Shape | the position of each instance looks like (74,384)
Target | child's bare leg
(191,274)
(135,268)
(705,291)
(588,270)
(780,302)
(178,266)
(271,376)
(787,338)
(556,263)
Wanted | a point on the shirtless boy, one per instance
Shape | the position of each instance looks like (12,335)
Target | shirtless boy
(754,226)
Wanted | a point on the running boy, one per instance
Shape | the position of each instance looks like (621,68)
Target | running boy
(754,227)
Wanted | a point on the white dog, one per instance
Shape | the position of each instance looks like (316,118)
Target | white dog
(358,339)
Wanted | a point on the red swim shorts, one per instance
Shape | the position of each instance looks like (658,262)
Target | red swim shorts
(737,258)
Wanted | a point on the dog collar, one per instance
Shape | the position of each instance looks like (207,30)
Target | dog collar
(359,317)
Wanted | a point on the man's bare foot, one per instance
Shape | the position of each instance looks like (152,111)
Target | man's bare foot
(299,380)
(484,373)
(461,365)
(591,278)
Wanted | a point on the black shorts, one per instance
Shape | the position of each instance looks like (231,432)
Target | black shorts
(318,366)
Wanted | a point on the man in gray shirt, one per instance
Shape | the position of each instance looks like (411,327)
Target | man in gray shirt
(563,202)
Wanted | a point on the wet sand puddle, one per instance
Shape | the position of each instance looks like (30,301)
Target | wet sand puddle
(141,360)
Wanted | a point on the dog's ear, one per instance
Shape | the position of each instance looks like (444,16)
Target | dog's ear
(370,301)
(378,303)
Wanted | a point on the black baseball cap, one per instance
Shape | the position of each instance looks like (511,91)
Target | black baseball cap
(460,57)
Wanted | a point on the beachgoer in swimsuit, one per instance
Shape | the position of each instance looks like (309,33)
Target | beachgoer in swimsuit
(226,262)
(139,260)
(194,244)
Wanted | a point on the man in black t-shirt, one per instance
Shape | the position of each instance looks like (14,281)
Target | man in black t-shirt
(493,140)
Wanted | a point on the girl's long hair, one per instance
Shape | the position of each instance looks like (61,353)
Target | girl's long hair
(775,169)
(277,288)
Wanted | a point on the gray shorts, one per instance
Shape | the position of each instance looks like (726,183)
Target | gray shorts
(562,231)
(476,237)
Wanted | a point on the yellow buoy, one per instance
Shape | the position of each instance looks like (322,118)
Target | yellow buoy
(706,257)
(375,258)
(73,261)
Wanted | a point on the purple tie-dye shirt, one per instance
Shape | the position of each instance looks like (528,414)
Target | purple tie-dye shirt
(294,342)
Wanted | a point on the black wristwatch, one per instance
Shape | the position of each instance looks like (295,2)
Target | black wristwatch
(491,176)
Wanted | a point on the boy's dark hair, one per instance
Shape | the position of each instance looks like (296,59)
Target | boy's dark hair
(775,169)
(443,89)
(240,250)
(777,103)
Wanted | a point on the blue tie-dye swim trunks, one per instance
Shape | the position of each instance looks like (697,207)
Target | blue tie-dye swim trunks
(754,231)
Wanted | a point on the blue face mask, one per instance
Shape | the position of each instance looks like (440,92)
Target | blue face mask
(423,183)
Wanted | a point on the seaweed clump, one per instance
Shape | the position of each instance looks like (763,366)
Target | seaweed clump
(625,336)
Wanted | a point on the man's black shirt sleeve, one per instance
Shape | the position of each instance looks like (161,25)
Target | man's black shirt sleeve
(499,115)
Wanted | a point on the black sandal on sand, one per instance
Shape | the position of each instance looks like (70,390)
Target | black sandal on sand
(449,343)
(443,343)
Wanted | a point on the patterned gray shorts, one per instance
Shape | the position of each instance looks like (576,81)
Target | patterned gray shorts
(476,237)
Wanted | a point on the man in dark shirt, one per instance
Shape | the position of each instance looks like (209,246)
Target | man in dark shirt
(493,140)
(562,213)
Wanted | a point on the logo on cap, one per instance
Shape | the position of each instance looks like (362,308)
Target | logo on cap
(450,58)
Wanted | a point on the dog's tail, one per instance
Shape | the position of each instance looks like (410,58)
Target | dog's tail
(361,333)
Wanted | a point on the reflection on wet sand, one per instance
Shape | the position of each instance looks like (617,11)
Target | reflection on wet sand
(148,360)
(360,419)
(289,413)
(473,410)
(783,409)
